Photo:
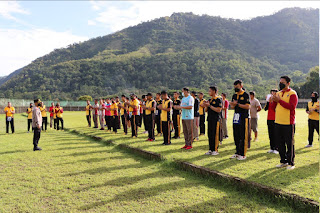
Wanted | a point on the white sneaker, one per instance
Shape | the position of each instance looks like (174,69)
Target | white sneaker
(234,156)
(241,157)
(275,152)
(270,151)
(209,152)
(307,146)
(291,167)
(282,165)
(215,153)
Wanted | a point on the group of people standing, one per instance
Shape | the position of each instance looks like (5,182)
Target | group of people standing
(165,114)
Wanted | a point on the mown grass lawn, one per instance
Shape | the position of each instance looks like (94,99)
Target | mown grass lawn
(259,166)
(73,174)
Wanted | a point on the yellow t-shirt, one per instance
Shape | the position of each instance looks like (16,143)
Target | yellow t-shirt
(30,113)
(43,112)
(283,115)
(134,102)
(112,107)
(201,109)
(10,110)
(59,113)
(165,115)
(150,104)
(88,109)
(313,115)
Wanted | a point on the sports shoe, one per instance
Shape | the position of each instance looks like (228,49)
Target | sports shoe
(290,167)
(145,132)
(151,140)
(241,157)
(270,151)
(189,147)
(275,152)
(282,165)
(196,139)
(184,147)
(214,153)
(37,149)
(226,137)
(209,152)
(308,146)
(234,156)
(148,139)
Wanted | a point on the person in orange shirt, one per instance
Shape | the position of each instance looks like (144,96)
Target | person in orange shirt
(134,115)
(59,110)
(114,115)
(44,116)
(52,118)
(10,111)
(29,113)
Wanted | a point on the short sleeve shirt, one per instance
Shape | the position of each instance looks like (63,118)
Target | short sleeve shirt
(242,98)
(187,114)
(253,110)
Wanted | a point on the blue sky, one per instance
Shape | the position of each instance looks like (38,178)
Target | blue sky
(31,29)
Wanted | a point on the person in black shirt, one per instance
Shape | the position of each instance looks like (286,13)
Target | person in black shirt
(213,107)
(241,122)
(149,108)
(196,116)
(158,114)
(176,115)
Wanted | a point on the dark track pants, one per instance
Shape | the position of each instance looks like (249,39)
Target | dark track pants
(59,120)
(214,134)
(89,120)
(11,125)
(241,135)
(134,125)
(29,124)
(45,123)
(115,123)
(158,123)
(313,125)
(36,136)
(271,131)
(285,142)
(166,132)
(124,123)
(202,124)
(150,125)
(176,125)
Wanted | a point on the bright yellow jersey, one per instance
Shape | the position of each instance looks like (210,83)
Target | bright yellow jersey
(59,111)
(43,111)
(29,110)
(134,102)
(201,109)
(286,107)
(165,115)
(88,109)
(114,109)
(10,110)
(313,115)
(150,104)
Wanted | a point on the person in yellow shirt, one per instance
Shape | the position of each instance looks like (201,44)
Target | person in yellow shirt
(165,108)
(59,110)
(133,115)
(29,113)
(10,111)
(124,114)
(43,111)
(88,113)
(313,121)
(114,115)
(149,108)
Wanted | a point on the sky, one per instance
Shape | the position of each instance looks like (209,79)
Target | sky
(31,29)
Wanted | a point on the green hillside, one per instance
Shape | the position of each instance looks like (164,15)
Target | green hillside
(172,52)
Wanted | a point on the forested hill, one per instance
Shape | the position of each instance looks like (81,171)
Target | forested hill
(172,52)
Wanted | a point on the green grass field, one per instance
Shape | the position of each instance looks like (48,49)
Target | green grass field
(259,166)
(74,173)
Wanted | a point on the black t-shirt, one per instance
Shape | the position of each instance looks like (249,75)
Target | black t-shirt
(196,107)
(242,98)
(176,103)
(216,102)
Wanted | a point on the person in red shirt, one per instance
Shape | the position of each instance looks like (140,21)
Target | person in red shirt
(225,107)
(270,106)
(51,110)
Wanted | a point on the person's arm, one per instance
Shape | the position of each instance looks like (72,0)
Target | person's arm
(152,107)
(168,109)
(293,101)
(266,107)
(259,108)
(13,111)
(61,110)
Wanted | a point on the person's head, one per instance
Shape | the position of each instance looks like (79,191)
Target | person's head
(132,96)
(108,100)
(58,105)
(95,101)
(41,104)
(224,96)
(158,96)
(123,98)
(252,94)
(194,94)
(144,97)
(213,91)
(88,102)
(127,99)
(117,99)
(284,82)
(149,96)
(238,85)
(30,105)
(52,104)
(36,102)
(9,104)
(200,95)
(273,91)
(164,95)
(101,101)
(314,96)
(185,91)
(176,95)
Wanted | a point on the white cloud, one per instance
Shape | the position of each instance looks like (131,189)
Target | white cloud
(91,23)
(116,17)
(20,47)
(8,8)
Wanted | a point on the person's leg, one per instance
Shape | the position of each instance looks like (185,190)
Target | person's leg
(289,140)
(61,120)
(211,135)
(189,131)
(279,136)
(57,121)
(185,131)
(152,127)
(12,125)
(87,119)
(46,123)
(202,124)
(148,125)
(224,128)
(109,123)
(51,118)
(311,131)
(175,125)
(179,125)
(136,124)
(115,124)
(36,137)
(28,121)
(196,127)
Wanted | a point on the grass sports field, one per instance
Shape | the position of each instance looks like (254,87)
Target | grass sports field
(74,173)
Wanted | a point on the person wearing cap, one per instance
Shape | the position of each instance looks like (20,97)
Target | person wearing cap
(44,116)
(36,124)
(149,108)
(59,110)
(313,115)
(29,113)
(10,111)
(165,108)
(196,116)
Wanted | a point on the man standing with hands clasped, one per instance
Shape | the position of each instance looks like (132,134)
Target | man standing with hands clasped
(286,102)
(36,124)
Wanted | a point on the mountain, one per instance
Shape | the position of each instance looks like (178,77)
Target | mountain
(171,52)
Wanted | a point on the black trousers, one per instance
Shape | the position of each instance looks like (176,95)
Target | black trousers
(271,131)
(214,134)
(144,121)
(158,123)
(61,121)
(29,124)
(36,136)
(89,120)
(124,123)
(241,135)
(285,142)
(45,123)
(109,121)
(11,124)
(149,122)
(202,124)
(115,123)
(313,125)
(166,132)
(176,125)
(134,125)
(139,120)
(55,123)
